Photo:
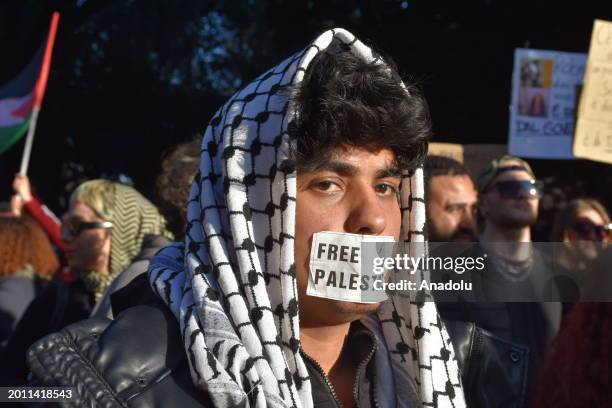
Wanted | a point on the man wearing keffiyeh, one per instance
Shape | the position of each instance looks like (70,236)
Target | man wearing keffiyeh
(328,140)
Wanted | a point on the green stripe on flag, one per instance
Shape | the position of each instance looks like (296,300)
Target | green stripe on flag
(11,134)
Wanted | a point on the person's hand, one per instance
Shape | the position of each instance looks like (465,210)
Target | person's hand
(21,185)
(16,205)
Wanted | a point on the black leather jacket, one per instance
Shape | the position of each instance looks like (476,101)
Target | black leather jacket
(493,370)
(138,360)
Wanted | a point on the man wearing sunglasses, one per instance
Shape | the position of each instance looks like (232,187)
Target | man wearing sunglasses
(508,303)
(509,198)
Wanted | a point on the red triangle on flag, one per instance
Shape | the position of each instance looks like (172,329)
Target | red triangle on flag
(25,108)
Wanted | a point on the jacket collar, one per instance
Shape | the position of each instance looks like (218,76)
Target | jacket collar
(361,348)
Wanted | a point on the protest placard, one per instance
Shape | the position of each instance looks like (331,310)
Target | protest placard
(593,138)
(474,157)
(543,106)
(452,150)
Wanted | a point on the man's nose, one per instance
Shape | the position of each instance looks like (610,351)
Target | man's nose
(367,216)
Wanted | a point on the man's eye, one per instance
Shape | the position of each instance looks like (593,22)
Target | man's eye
(454,208)
(386,189)
(326,185)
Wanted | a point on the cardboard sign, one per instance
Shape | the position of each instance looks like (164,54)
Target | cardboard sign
(593,139)
(452,150)
(475,157)
(543,107)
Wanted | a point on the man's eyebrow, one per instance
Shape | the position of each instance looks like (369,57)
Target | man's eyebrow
(347,169)
(457,204)
(342,168)
(391,171)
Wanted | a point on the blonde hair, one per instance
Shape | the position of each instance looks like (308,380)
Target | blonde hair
(98,194)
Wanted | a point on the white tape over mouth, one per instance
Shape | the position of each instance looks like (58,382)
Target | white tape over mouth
(342,266)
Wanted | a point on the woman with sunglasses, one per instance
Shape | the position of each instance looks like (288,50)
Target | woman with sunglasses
(583,225)
(103,232)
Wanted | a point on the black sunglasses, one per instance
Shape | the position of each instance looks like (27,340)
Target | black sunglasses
(519,188)
(74,228)
(587,229)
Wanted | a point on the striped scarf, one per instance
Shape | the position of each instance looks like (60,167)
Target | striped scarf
(232,284)
(133,217)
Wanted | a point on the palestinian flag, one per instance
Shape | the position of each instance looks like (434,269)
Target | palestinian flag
(16,102)
(21,96)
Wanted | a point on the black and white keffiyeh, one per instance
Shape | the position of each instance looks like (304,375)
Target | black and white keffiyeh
(232,284)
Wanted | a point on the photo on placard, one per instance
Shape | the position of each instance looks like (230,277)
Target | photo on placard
(535,87)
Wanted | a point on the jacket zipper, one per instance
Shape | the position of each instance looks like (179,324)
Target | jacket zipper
(329,385)
(374,392)
(360,367)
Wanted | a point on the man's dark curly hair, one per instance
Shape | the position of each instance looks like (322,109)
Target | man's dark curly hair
(442,166)
(344,101)
(173,184)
